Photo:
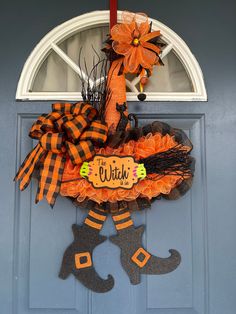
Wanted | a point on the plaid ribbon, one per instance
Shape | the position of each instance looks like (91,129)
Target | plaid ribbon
(69,130)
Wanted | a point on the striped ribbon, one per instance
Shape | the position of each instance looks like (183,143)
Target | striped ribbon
(122,219)
(96,218)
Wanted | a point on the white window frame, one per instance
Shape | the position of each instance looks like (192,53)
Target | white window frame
(96,19)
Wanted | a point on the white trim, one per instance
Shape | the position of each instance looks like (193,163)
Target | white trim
(166,50)
(100,18)
(70,62)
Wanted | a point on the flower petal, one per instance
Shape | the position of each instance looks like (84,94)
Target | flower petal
(150,36)
(147,58)
(152,47)
(121,48)
(123,32)
(144,28)
(140,17)
(131,62)
(127,17)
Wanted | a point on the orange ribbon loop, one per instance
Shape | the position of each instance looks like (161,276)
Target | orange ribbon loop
(69,130)
(52,142)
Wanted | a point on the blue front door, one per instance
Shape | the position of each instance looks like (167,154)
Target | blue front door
(200,225)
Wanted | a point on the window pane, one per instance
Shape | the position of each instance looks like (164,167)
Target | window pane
(172,77)
(87,41)
(55,75)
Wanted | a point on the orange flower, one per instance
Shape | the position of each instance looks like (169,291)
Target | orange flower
(131,39)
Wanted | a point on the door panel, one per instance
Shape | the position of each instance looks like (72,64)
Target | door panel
(181,225)
(43,234)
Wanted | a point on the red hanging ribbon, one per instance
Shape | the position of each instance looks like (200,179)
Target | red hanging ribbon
(113,13)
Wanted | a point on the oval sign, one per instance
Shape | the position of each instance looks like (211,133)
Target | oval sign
(113,172)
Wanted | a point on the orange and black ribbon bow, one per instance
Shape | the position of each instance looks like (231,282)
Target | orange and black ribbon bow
(69,130)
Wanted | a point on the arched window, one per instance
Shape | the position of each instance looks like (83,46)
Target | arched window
(52,71)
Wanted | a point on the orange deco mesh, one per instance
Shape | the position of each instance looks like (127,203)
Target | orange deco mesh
(151,144)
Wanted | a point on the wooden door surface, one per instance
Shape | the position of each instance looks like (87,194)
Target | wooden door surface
(200,225)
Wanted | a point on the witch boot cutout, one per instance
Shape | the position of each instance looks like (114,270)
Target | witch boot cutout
(78,260)
(134,258)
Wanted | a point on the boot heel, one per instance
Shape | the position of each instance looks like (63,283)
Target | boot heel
(64,271)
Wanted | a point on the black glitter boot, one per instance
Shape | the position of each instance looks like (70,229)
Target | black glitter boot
(77,258)
(134,258)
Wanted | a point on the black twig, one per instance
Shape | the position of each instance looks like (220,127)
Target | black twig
(175,162)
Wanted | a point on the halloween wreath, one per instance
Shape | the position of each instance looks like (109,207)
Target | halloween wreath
(89,152)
